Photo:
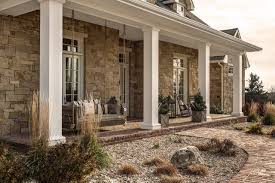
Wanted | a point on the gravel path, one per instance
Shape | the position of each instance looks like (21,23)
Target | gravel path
(221,169)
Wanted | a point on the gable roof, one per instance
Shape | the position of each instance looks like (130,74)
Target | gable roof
(236,33)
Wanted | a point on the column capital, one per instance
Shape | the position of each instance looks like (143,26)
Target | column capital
(149,29)
(204,44)
(59,1)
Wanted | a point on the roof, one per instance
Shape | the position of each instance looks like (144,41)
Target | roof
(188,13)
(231,32)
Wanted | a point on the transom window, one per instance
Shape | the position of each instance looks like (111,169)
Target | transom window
(72,71)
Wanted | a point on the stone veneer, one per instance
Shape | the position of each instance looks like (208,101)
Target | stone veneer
(19,67)
(167,51)
(215,87)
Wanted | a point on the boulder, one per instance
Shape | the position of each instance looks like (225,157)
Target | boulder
(187,156)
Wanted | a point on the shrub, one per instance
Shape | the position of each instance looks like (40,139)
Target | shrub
(225,147)
(255,129)
(12,167)
(155,162)
(269,117)
(176,139)
(199,103)
(252,117)
(216,110)
(197,169)
(127,170)
(168,179)
(65,162)
(272,133)
(167,169)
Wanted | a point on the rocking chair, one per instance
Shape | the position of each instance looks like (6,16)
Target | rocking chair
(185,109)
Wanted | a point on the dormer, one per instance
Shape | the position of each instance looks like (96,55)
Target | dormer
(179,6)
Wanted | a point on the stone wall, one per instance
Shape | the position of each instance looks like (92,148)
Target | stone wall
(19,65)
(19,69)
(166,51)
(215,85)
(228,91)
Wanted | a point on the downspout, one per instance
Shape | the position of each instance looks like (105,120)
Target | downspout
(222,85)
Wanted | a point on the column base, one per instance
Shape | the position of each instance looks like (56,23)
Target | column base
(147,126)
(57,140)
(208,118)
(238,114)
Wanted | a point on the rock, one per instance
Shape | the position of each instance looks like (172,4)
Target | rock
(187,156)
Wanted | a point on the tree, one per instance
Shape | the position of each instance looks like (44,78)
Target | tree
(271,94)
(255,90)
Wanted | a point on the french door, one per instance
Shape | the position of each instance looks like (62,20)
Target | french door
(72,81)
(180,81)
(124,80)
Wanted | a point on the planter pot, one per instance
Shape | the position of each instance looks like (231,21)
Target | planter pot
(164,120)
(113,109)
(198,116)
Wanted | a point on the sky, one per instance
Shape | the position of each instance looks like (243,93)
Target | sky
(256,21)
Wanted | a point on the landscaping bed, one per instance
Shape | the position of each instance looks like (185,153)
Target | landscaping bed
(221,168)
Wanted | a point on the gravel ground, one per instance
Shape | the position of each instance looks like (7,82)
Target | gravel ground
(221,169)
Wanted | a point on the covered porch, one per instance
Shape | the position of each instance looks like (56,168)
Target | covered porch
(152,45)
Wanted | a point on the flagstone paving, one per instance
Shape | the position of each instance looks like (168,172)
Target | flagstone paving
(260,167)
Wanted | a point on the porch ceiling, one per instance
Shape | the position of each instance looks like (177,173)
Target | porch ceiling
(138,15)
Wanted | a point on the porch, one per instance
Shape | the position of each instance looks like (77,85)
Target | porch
(133,131)
(157,41)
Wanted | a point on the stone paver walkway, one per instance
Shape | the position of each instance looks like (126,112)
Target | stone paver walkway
(260,167)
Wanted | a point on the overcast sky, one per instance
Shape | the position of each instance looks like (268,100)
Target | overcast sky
(256,21)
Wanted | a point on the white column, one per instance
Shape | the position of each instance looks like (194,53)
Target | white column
(151,79)
(204,74)
(51,36)
(237,85)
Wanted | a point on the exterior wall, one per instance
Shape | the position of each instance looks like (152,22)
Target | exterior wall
(228,91)
(167,51)
(19,65)
(215,85)
(19,69)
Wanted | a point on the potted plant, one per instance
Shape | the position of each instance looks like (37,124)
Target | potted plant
(164,111)
(198,109)
(112,106)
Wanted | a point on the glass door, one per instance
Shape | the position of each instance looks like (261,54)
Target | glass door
(180,82)
(71,78)
(124,80)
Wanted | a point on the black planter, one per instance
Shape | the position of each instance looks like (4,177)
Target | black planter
(198,116)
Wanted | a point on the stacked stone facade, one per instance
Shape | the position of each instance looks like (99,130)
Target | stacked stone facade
(19,67)
(216,87)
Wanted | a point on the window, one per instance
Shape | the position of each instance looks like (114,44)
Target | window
(72,71)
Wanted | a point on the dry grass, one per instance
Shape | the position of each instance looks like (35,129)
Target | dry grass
(270,108)
(167,169)
(225,147)
(197,169)
(38,124)
(256,129)
(253,108)
(155,162)
(169,179)
(203,147)
(90,119)
(128,169)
